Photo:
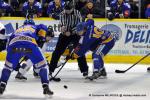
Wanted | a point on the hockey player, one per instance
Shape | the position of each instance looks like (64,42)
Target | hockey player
(32,8)
(98,41)
(55,8)
(26,64)
(6,8)
(119,9)
(23,43)
(147,12)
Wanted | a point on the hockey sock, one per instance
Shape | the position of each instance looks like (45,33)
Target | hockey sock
(5,75)
(44,75)
(98,62)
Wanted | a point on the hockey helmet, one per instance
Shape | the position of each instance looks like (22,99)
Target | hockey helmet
(29,21)
(81,26)
(50,32)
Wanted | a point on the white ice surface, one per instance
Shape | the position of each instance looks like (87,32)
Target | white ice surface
(135,82)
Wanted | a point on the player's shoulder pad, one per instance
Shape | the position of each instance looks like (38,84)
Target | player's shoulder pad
(51,3)
(127,5)
(4,3)
(90,22)
(25,4)
(42,26)
(38,4)
(113,2)
(63,3)
(42,30)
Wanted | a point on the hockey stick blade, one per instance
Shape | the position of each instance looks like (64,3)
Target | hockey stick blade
(123,71)
(120,71)
(55,79)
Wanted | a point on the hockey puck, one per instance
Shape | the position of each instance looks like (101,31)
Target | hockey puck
(148,69)
(65,86)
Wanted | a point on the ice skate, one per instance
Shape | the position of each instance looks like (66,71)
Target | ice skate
(98,74)
(85,75)
(2,87)
(19,76)
(36,75)
(46,91)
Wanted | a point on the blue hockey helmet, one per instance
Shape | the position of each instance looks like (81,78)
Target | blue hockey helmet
(29,21)
(81,26)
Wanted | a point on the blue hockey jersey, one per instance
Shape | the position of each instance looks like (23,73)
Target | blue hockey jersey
(28,33)
(53,11)
(92,38)
(123,8)
(5,6)
(36,8)
(147,12)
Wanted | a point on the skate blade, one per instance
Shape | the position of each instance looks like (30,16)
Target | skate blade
(102,77)
(48,96)
(20,80)
(89,78)
(37,77)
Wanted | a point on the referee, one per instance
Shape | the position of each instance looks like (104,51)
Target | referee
(69,18)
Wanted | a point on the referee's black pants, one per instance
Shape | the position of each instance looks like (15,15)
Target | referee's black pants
(63,42)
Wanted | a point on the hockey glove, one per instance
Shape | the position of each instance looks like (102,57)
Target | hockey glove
(72,56)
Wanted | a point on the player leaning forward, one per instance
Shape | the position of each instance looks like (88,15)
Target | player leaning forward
(98,41)
(23,43)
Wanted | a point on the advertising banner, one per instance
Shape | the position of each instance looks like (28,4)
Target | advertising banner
(134,34)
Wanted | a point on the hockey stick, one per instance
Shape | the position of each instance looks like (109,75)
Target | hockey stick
(123,71)
(53,78)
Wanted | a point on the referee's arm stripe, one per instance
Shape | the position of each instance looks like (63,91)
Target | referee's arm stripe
(79,15)
(61,20)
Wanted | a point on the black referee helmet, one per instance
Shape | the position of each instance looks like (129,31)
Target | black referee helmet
(69,5)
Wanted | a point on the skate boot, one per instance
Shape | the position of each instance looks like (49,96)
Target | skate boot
(2,87)
(36,75)
(19,76)
(46,91)
(53,78)
(85,75)
(103,73)
(98,74)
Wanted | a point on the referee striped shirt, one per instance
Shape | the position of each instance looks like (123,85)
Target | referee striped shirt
(70,20)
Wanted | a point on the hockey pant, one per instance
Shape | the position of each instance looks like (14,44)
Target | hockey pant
(99,53)
(16,51)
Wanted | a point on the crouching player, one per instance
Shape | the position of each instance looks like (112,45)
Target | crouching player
(98,41)
(26,63)
(23,43)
